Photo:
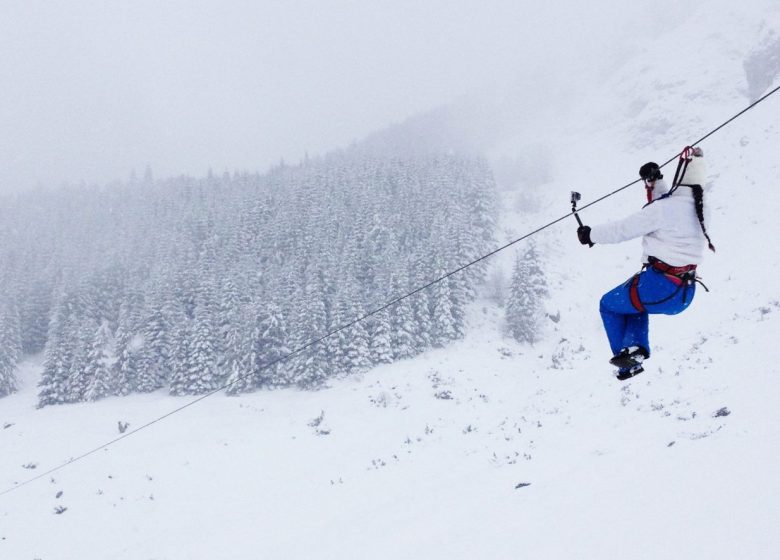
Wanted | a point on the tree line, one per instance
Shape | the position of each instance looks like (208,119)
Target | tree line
(193,283)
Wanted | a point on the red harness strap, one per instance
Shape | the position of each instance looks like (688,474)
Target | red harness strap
(676,280)
(661,266)
(633,292)
(649,192)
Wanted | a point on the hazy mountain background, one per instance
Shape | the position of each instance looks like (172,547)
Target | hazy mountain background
(92,90)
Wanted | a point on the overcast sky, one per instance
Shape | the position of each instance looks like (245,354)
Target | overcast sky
(90,90)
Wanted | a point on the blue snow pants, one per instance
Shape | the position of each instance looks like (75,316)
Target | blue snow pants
(657,293)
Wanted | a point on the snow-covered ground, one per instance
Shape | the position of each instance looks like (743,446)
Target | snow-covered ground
(486,448)
(426,459)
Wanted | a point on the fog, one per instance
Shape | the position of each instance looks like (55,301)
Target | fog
(91,90)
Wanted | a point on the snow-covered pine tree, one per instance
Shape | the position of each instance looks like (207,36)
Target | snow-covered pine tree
(252,366)
(229,314)
(356,351)
(402,328)
(483,206)
(381,346)
(443,320)
(98,369)
(528,288)
(238,342)
(10,348)
(420,274)
(105,291)
(239,376)
(182,331)
(129,341)
(380,242)
(421,312)
(462,292)
(130,337)
(402,325)
(175,320)
(34,313)
(57,358)
(201,372)
(357,355)
(156,353)
(78,376)
(336,343)
(311,366)
(270,347)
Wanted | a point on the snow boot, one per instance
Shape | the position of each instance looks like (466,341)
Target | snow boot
(629,357)
(628,373)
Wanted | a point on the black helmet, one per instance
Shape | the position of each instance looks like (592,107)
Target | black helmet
(650,171)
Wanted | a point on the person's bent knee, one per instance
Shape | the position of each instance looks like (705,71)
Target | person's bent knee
(604,302)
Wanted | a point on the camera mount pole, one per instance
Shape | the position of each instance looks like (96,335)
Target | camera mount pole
(575,196)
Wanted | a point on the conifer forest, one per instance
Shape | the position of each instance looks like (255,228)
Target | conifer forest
(191,284)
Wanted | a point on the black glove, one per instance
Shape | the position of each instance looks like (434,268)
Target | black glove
(583,233)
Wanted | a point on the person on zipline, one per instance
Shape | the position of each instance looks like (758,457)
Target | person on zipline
(673,233)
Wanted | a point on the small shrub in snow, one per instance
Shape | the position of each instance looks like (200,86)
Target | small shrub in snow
(318,420)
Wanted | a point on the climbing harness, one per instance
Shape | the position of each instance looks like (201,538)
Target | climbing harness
(682,276)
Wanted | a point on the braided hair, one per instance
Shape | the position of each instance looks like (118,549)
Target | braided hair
(698,197)
(688,156)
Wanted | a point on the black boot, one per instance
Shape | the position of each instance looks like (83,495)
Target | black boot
(628,373)
(629,357)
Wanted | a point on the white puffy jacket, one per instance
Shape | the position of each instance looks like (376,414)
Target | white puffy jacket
(669,226)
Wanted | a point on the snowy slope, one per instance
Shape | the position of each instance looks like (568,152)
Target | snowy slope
(428,458)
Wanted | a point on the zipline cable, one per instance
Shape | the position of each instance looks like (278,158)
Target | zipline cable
(675,156)
(364,316)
